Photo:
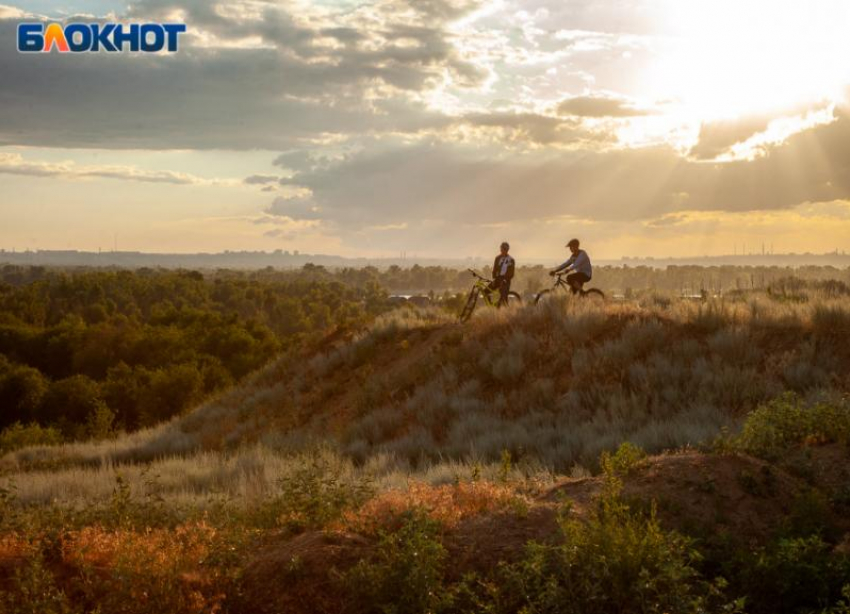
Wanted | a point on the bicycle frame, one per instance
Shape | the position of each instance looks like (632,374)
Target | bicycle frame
(560,282)
(482,284)
(479,288)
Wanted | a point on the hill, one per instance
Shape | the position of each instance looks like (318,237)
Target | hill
(556,384)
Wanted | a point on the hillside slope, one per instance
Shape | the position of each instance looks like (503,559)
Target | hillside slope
(555,385)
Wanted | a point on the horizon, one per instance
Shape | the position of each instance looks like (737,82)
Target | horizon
(256,259)
(374,128)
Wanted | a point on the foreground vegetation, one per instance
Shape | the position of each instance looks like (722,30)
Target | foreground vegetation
(495,539)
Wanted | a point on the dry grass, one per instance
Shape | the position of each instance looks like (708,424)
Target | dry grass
(417,394)
(446,504)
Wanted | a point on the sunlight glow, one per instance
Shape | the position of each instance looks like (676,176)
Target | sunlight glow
(728,58)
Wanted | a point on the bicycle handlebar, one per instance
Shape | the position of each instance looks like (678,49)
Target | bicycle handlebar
(474,273)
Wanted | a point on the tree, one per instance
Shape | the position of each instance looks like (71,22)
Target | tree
(22,390)
(69,402)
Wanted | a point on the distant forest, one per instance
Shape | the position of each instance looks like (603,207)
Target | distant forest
(91,351)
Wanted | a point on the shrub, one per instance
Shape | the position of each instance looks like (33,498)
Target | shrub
(624,461)
(793,575)
(32,589)
(316,493)
(617,561)
(405,575)
(843,606)
(150,572)
(447,504)
(787,421)
(19,436)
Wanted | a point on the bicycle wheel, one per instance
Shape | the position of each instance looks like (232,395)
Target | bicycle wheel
(514,298)
(469,307)
(542,296)
(594,294)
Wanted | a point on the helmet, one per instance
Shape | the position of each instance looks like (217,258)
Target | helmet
(505,245)
(572,242)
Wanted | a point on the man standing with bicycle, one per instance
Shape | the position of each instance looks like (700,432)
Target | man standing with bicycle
(579,264)
(503,273)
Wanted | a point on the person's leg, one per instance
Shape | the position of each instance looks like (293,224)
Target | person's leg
(577,281)
(503,291)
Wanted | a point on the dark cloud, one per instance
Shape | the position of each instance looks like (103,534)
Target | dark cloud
(284,96)
(539,129)
(465,185)
(715,138)
(598,106)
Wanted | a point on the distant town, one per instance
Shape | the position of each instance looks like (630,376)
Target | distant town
(295,259)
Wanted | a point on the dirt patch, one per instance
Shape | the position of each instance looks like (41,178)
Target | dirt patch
(701,494)
(479,543)
(826,466)
(299,576)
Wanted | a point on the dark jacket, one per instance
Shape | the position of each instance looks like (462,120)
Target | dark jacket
(503,267)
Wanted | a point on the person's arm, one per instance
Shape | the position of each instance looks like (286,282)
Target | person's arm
(496,267)
(565,265)
(510,272)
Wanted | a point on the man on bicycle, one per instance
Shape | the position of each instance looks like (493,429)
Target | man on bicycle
(579,264)
(503,273)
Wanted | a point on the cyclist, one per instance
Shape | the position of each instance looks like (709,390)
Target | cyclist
(503,273)
(579,264)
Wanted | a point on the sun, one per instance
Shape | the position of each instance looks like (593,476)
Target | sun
(732,58)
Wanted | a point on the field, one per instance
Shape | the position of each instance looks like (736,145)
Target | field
(652,454)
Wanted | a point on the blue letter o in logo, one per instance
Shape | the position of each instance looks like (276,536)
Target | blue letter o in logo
(84,30)
(158,37)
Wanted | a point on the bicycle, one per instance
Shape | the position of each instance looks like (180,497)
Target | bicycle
(560,282)
(482,286)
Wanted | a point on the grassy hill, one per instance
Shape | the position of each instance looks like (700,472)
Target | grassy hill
(687,456)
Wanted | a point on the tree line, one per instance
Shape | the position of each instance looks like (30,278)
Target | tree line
(90,351)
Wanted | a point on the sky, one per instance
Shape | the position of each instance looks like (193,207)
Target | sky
(435,128)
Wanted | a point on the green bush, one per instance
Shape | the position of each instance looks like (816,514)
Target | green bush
(19,436)
(793,575)
(317,492)
(405,575)
(617,561)
(771,429)
(624,461)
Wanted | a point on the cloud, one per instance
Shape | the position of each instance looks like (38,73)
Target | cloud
(305,76)
(715,138)
(470,185)
(598,106)
(747,135)
(260,179)
(15,164)
(11,12)
(537,129)
(297,209)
